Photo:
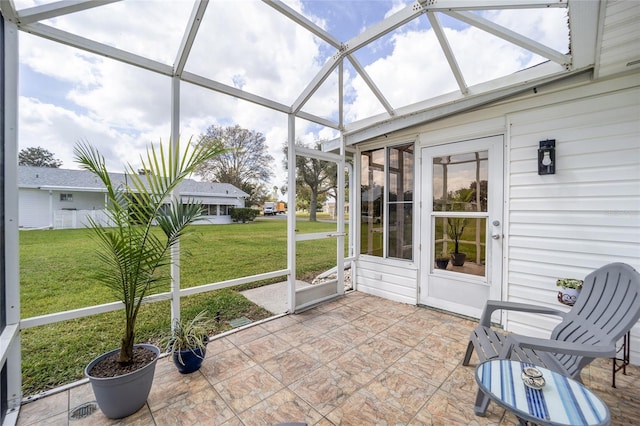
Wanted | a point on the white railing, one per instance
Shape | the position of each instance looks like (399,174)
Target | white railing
(114,306)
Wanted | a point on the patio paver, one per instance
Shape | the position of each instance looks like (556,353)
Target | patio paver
(359,360)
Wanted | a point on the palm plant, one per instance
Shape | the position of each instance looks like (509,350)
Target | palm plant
(455,229)
(456,225)
(188,335)
(132,254)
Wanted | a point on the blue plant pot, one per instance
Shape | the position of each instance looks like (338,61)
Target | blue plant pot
(191,360)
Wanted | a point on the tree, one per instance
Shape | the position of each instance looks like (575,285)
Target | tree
(315,179)
(257,193)
(245,163)
(38,157)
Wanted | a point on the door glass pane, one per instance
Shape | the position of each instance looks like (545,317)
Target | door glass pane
(471,233)
(460,186)
(455,180)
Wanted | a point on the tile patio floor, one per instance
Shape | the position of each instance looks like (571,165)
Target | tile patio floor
(359,360)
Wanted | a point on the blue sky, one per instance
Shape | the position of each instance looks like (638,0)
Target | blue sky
(67,95)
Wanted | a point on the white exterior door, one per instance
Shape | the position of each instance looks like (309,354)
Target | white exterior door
(461,229)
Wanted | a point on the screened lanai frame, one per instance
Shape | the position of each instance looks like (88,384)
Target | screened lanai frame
(583,21)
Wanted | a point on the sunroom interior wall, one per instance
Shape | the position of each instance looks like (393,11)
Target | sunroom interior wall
(392,279)
(587,214)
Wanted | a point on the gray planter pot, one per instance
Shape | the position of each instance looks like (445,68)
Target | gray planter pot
(123,395)
(458,259)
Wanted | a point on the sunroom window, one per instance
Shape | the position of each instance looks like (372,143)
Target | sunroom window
(387,181)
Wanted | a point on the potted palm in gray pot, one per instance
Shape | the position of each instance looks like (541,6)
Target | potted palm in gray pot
(146,221)
(455,228)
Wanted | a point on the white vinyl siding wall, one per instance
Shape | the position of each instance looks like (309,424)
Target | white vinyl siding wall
(584,216)
(393,280)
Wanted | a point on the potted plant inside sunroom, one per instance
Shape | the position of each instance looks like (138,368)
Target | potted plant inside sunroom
(456,225)
(442,262)
(145,221)
(187,342)
(570,290)
(455,228)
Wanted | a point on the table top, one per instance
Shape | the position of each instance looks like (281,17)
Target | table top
(562,401)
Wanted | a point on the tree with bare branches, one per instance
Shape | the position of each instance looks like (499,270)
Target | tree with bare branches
(245,163)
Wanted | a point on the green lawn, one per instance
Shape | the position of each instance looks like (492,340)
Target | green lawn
(56,269)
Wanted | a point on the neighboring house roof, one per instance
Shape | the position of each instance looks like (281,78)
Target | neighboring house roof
(50,178)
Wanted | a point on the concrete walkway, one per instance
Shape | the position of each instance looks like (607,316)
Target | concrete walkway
(272,297)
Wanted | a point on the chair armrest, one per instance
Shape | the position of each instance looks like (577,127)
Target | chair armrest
(494,305)
(555,346)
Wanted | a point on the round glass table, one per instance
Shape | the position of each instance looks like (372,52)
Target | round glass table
(561,401)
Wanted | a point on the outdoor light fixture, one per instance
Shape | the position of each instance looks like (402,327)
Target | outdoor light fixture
(547,157)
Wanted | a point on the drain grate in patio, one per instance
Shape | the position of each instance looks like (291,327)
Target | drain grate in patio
(83,411)
(239,322)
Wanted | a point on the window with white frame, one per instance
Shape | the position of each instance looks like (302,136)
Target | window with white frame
(386,195)
(66,197)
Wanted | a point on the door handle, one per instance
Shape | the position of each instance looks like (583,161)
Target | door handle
(496,236)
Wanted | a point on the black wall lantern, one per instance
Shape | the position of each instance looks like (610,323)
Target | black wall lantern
(547,157)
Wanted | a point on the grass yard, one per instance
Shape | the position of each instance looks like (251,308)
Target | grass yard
(56,269)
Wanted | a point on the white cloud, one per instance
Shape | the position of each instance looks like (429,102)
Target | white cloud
(59,61)
(58,129)
(274,57)
(546,26)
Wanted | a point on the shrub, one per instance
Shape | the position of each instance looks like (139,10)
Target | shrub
(244,214)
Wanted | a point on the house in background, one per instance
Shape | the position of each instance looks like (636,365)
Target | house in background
(62,198)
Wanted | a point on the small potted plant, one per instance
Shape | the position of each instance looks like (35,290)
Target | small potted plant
(188,342)
(570,290)
(442,262)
